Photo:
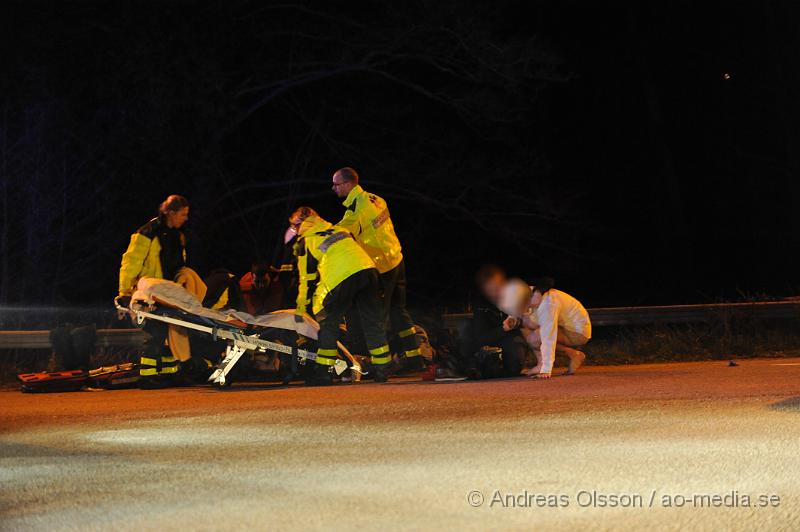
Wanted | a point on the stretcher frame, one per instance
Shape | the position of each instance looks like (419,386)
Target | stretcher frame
(239,343)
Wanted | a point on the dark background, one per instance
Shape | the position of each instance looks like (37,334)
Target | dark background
(640,153)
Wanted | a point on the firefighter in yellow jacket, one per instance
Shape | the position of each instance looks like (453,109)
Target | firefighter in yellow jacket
(335,275)
(159,249)
(367,218)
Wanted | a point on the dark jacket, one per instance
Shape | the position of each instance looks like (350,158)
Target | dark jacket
(487,320)
(223,291)
(487,325)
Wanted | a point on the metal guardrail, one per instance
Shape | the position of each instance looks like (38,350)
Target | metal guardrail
(611,316)
(601,317)
(41,339)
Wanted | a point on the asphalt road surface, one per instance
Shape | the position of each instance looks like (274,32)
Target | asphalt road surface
(697,446)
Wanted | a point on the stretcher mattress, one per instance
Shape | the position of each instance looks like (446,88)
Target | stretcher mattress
(150,291)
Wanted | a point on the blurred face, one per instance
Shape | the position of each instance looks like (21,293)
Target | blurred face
(341,187)
(176,219)
(493,286)
(515,298)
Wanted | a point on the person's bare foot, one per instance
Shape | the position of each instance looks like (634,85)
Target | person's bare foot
(575,362)
(534,371)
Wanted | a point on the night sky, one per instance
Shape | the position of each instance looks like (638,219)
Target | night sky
(639,153)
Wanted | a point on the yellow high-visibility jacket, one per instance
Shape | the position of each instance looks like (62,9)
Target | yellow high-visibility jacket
(326,256)
(367,217)
(143,257)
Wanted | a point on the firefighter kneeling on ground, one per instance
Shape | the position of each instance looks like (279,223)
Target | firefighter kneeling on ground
(336,274)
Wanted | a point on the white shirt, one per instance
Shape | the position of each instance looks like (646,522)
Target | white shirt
(549,312)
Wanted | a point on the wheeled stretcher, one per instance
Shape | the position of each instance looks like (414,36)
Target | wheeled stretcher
(169,303)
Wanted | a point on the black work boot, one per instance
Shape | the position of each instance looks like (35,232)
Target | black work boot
(413,364)
(154,382)
(382,372)
(320,376)
(196,370)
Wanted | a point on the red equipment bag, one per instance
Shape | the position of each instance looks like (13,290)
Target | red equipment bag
(56,381)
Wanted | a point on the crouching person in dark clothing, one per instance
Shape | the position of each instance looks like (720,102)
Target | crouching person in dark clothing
(494,346)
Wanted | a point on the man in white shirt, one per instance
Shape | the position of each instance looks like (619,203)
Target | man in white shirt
(551,321)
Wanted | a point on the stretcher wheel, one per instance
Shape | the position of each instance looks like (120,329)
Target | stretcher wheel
(223,385)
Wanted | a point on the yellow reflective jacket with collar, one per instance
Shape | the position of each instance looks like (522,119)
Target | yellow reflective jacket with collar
(367,218)
(326,256)
(143,256)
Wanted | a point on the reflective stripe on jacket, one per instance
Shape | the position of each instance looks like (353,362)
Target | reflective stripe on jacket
(143,256)
(367,218)
(326,256)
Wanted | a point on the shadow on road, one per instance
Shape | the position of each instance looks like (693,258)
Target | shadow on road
(787,405)
(13,450)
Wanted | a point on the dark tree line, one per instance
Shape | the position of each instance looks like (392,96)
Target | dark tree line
(247,108)
(596,143)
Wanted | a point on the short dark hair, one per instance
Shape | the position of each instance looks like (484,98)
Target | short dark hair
(347,174)
(259,268)
(543,284)
(486,272)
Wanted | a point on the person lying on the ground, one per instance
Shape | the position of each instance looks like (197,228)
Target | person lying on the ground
(551,321)
(490,326)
